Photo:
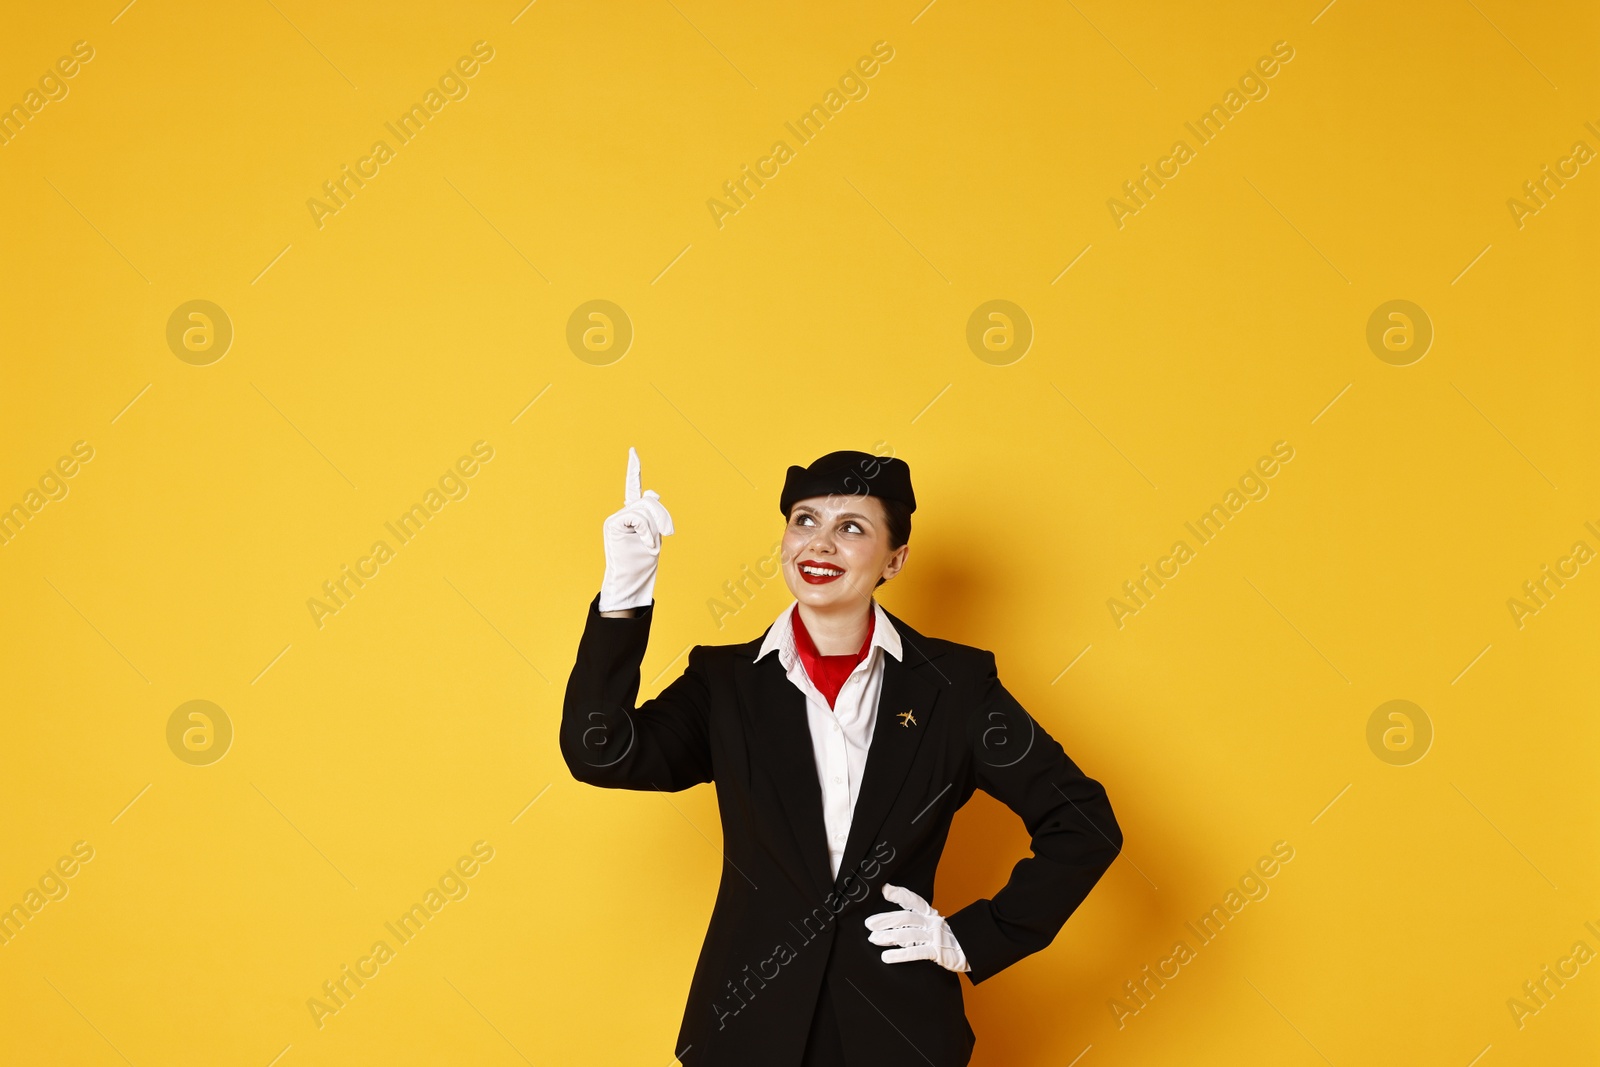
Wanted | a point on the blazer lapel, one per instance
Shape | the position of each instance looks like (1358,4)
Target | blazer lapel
(780,734)
(906,687)
(775,721)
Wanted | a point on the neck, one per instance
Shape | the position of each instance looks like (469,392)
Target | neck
(838,632)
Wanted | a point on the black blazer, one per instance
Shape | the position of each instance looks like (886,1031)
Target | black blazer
(783,931)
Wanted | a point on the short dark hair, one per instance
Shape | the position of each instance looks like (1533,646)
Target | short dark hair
(898,519)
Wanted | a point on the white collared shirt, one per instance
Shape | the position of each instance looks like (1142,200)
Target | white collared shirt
(840,735)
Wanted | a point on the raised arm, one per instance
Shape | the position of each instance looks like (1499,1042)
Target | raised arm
(1075,834)
(604,738)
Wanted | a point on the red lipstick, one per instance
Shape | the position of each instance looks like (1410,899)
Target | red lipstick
(835,572)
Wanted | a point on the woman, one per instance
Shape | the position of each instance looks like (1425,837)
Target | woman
(842,742)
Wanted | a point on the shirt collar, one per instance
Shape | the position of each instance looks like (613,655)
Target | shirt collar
(780,635)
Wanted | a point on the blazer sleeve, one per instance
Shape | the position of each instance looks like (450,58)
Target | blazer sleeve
(1075,834)
(662,744)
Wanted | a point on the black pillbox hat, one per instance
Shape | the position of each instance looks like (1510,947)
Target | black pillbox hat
(849,473)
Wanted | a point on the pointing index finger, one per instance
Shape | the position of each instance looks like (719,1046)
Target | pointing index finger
(631,488)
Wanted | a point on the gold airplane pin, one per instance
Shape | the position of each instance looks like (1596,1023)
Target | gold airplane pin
(906,718)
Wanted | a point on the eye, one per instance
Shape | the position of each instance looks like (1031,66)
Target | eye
(806,519)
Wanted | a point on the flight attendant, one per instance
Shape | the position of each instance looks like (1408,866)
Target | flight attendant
(841,743)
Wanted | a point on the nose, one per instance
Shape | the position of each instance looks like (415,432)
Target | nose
(818,547)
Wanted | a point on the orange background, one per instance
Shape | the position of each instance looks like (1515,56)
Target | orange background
(372,347)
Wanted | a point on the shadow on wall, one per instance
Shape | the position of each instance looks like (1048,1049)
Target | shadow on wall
(1046,1008)
(944,597)
(1043,1010)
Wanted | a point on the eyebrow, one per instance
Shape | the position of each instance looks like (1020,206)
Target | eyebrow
(842,515)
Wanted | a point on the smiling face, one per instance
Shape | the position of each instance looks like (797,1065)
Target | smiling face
(835,549)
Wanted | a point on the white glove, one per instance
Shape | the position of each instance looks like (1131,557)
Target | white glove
(633,544)
(920,930)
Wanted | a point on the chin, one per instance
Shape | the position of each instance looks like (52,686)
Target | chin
(833,593)
(811,594)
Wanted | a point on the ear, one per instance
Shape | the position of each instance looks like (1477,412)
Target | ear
(897,559)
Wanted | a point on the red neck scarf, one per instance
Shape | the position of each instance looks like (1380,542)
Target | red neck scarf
(828,673)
